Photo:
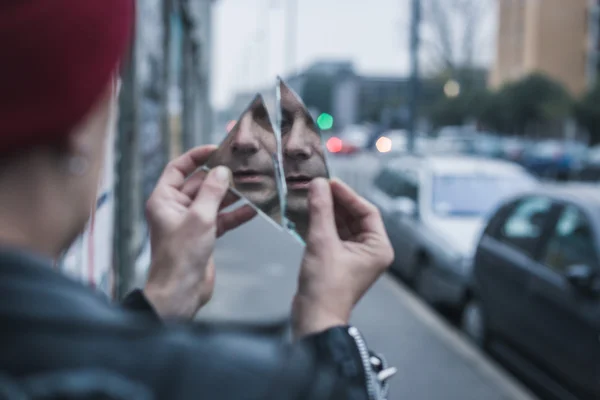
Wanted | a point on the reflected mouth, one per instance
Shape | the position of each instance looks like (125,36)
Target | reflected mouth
(298,182)
(248,176)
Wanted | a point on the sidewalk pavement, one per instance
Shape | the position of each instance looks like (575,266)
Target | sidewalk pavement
(257,268)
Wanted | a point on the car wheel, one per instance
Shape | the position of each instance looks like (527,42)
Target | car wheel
(473,322)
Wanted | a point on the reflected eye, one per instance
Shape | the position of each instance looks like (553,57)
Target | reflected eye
(286,125)
(286,121)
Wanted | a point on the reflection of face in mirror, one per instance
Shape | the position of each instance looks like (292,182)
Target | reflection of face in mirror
(248,151)
(303,156)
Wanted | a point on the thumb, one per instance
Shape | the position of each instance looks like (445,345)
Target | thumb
(212,192)
(321,226)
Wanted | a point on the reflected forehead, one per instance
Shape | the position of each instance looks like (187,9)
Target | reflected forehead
(290,102)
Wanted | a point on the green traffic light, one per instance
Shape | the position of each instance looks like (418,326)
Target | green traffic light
(325,121)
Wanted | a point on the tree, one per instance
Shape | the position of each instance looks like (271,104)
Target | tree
(456,33)
(459,110)
(587,114)
(448,112)
(494,112)
(537,100)
(443,110)
(529,106)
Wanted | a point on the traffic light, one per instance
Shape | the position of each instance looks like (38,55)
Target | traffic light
(325,121)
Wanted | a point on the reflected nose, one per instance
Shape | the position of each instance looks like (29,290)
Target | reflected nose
(244,141)
(296,145)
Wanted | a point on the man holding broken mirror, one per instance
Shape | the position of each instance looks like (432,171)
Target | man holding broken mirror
(62,340)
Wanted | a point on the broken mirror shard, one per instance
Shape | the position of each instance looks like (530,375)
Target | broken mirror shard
(303,157)
(250,151)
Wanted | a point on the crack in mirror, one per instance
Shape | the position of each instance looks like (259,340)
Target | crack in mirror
(274,150)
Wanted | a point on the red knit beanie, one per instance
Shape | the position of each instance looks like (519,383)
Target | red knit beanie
(56,59)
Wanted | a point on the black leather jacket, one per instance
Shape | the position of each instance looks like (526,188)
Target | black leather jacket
(60,340)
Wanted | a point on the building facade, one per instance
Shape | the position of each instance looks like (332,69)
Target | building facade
(555,37)
(334,87)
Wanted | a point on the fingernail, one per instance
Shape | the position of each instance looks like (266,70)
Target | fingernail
(222,173)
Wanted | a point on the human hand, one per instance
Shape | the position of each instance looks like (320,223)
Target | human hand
(347,249)
(184,217)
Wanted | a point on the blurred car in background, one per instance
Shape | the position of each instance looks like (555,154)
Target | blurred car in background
(353,139)
(455,145)
(398,140)
(468,141)
(513,148)
(488,145)
(424,145)
(434,209)
(590,171)
(454,131)
(535,294)
(395,142)
(593,156)
(554,159)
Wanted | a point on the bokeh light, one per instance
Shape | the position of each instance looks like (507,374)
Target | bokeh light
(325,121)
(384,144)
(452,88)
(334,145)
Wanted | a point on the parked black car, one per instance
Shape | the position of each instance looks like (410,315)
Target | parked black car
(590,172)
(535,299)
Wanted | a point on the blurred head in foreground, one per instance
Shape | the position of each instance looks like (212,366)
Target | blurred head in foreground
(58,91)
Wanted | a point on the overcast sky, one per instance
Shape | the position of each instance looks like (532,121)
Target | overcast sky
(374,36)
